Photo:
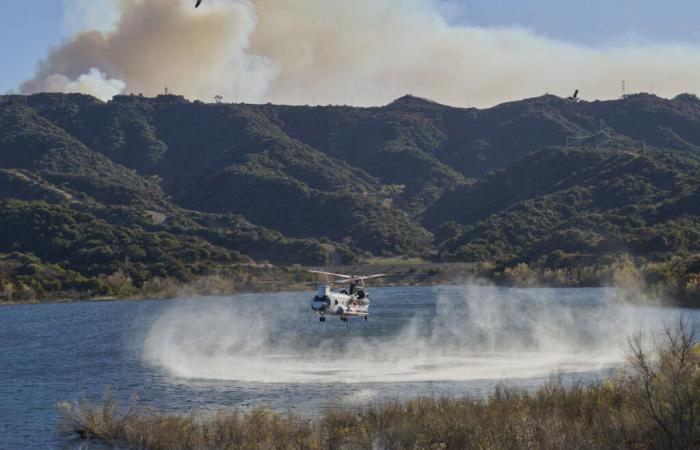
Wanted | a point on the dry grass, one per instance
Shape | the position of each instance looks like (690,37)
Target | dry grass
(654,404)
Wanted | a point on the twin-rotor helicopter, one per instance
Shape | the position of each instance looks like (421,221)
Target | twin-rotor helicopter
(346,303)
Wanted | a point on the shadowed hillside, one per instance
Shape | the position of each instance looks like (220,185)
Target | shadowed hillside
(577,201)
(331,184)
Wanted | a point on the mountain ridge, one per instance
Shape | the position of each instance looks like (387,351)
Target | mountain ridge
(320,184)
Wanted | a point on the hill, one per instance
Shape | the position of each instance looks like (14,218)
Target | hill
(585,202)
(540,181)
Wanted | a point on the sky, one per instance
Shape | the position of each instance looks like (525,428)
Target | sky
(27,30)
(592,22)
(641,29)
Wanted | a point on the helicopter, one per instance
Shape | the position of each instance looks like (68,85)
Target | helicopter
(353,302)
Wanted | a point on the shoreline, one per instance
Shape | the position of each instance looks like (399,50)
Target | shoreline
(139,298)
(673,290)
(292,288)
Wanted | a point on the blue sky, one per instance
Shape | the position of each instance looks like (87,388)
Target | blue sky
(594,22)
(29,28)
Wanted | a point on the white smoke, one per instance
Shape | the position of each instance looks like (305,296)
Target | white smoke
(94,83)
(338,51)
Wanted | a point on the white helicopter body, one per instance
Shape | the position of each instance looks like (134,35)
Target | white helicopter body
(344,303)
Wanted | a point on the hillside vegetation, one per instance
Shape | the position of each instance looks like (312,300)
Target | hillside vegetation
(104,198)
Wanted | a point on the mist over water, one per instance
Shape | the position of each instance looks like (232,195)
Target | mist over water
(463,333)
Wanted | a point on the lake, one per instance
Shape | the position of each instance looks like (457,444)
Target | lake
(270,349)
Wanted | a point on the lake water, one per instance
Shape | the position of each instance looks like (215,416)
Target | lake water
(247,350)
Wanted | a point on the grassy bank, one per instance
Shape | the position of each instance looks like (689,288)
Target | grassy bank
(655,403)
(673,281)
(44,285)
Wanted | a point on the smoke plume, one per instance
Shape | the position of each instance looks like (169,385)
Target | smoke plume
(159,43)
(335,51)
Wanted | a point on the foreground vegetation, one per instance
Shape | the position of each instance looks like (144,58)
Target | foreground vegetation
(654,403)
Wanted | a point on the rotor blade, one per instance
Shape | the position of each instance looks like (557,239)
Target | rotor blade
(355,279)
(331,273)
(368,277)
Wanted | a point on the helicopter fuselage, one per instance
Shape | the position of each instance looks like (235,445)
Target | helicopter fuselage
(343,304)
